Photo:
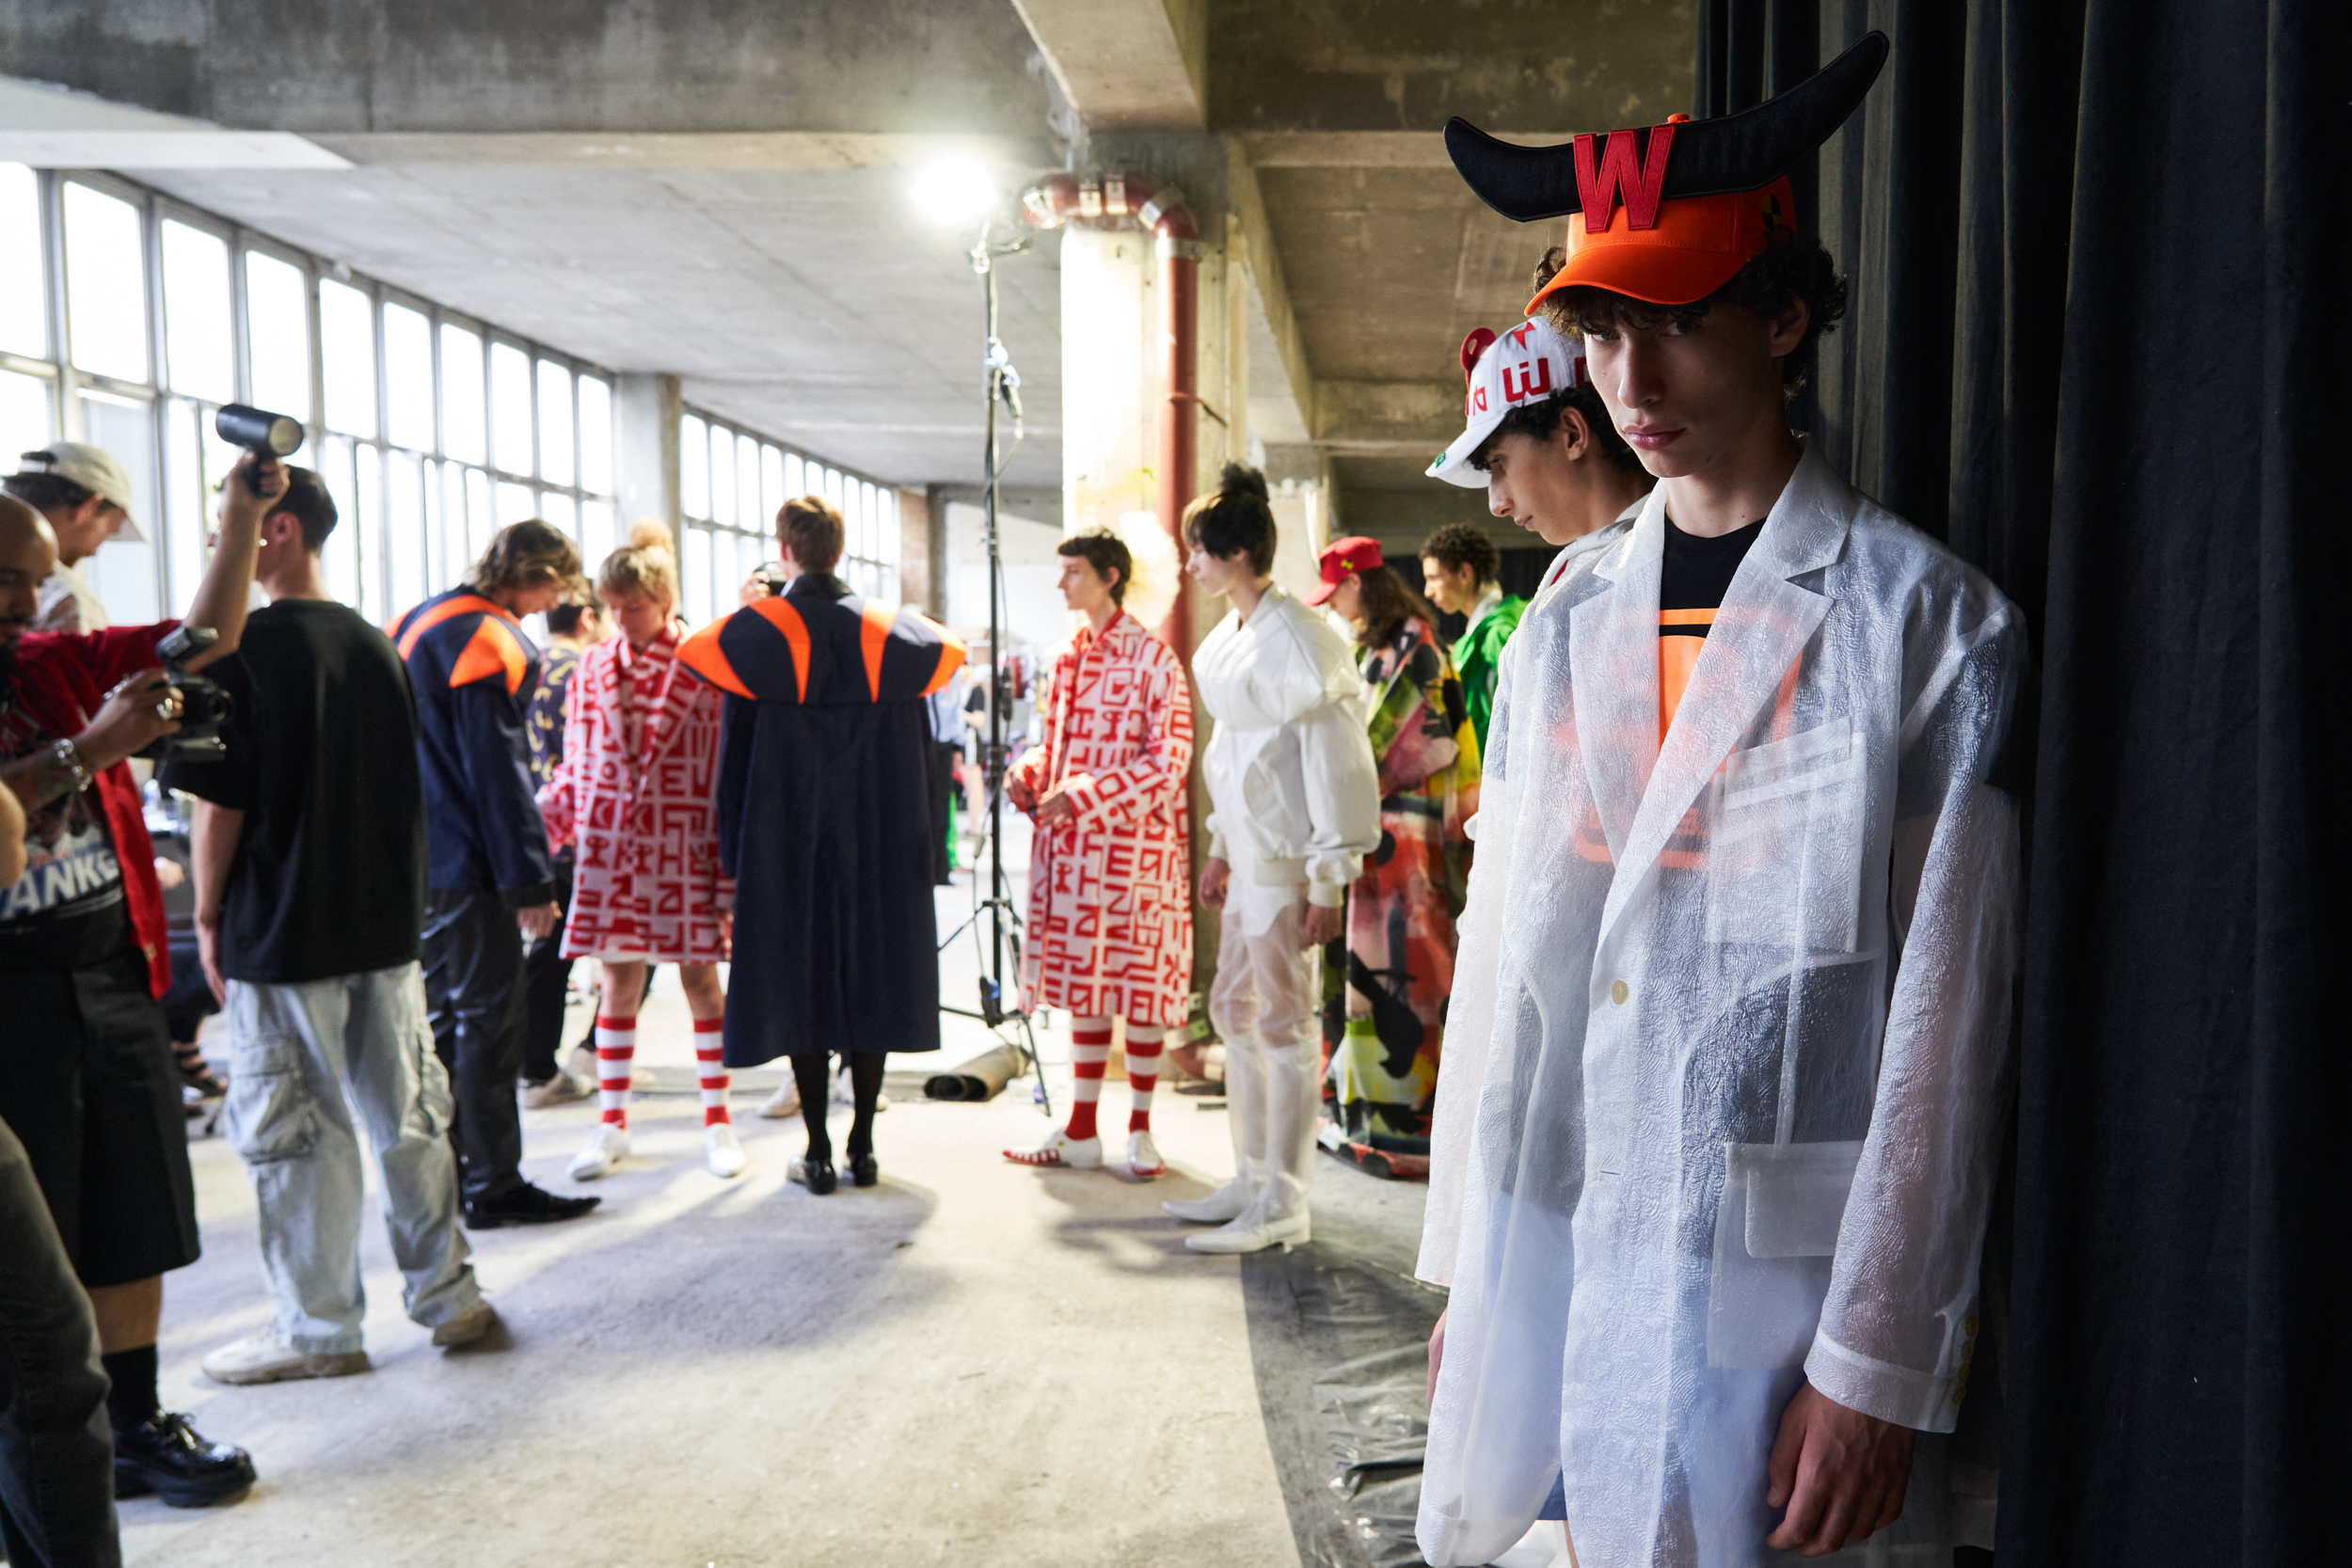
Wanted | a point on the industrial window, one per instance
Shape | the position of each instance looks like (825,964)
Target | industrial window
(731,483)
(429,428)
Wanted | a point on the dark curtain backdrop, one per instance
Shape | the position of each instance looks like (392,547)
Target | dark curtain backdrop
(2101,344)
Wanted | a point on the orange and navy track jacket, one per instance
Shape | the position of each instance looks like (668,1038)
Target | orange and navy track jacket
(827,819)
(474,671)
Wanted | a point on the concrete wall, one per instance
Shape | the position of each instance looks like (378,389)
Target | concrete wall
(965,66)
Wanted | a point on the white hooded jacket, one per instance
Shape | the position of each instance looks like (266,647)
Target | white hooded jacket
(1727,1039)
(1291,781)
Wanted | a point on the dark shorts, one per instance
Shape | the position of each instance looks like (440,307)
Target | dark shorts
(88,1086)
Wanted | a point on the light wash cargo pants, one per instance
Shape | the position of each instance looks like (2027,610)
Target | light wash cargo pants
(303,1060)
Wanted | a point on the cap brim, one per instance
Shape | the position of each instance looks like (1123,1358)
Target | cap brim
(128,532)
(1320,592)
(1654,274)
(1454,464)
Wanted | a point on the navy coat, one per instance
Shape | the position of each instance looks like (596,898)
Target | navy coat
(825,820)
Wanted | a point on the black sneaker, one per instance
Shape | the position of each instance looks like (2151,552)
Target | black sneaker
(526,1205)
(170,1459)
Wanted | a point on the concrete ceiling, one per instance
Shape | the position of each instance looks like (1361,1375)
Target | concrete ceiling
(719,191)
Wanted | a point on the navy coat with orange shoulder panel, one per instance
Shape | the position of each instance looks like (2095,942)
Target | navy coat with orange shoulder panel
(825,820)
(473,671)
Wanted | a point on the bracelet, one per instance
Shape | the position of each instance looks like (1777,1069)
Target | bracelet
(69,756)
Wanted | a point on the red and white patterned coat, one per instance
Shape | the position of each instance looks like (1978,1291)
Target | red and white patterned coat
(634,796)
(1110,890)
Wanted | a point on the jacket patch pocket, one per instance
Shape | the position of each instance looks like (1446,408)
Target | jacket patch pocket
(268,1115)
(1775,1235)
(1785,847)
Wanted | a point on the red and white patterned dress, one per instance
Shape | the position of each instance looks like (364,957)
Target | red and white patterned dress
(1110,892)
(634,796)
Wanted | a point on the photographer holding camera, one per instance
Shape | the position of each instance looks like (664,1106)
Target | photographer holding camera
(87,1077)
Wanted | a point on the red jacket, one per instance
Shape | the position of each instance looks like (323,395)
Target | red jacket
(62,679)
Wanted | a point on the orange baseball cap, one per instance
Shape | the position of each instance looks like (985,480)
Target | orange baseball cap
(1342,559)
(1668,215)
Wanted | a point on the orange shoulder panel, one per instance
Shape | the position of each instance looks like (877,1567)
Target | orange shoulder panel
(786,620)
(875,619)
(702,653)
(465,604)
(493,650)
(951,655)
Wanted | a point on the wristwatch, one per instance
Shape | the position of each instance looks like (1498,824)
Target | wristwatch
(69,756)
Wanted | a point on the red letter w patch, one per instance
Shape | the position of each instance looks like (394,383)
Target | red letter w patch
(1599,191)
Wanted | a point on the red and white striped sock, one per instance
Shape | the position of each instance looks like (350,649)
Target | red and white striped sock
(1090,1055)
(708,1073)
(616,1045)
(1143,1072)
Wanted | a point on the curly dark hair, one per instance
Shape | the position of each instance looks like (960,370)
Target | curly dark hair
(1459,545)
(1106,552)
(1775,275)
(1542,420)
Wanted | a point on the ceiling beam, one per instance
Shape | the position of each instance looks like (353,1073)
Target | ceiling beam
(1385,418)
(1126,65)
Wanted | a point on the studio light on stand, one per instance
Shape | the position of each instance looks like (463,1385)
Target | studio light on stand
(960,192)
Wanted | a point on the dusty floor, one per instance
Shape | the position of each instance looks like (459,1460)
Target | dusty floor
(973,1364)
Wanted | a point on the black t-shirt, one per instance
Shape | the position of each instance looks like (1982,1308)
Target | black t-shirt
(67,911)
(329,877)
(1692,580)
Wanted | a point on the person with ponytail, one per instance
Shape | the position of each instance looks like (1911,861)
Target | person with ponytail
(635,795)
(1110,913)
(1296,808)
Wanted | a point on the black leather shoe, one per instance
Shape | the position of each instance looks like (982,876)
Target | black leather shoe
(817,1176)
(526,1205)
(170,1459)
(863,1171)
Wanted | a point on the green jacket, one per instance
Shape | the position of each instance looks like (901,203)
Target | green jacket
(1478,656)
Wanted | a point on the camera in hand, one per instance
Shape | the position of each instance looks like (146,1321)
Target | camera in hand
(204,705)
(258,432)
(771,575)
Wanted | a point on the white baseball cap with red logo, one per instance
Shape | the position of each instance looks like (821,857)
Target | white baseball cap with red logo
(1532,361)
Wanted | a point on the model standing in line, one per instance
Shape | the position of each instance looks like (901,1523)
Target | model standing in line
(1109,932)
(1396,969)
(1732,1007)
(635,797)
(1459,568)
(1297,807)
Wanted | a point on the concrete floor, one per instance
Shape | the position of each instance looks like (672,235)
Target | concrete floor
(974,1362)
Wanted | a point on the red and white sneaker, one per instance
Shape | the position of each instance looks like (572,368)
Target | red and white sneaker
(1143,1157)
(1061,1149)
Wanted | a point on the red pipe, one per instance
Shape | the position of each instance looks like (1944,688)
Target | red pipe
(1117,201)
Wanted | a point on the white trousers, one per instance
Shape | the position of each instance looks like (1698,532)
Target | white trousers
(1262,1005)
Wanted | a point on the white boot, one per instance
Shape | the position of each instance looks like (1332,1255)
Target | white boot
(1259,1227)
(722,1151)
(1244,1112)
(1278,1213)
(1228,1202)
(607,1146)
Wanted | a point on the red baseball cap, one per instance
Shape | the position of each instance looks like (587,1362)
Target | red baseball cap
(1342,560)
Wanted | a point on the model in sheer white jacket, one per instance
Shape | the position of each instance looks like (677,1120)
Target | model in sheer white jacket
(1295,800)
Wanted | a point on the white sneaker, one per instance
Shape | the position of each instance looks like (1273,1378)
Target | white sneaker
(468,1326)
(1254,1231)
(1143,1157)
(723,1151)
(608,1145)
(845,1093)
(785,1102)
(1229,1202)
(1061,1149)
(263,1356)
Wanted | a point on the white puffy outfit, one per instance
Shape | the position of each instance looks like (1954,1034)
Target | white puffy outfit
(1295,800)
(1728,1039)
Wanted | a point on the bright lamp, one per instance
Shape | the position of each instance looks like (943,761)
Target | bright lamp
(953,191)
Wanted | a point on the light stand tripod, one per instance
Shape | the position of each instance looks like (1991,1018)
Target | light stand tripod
(1003,386)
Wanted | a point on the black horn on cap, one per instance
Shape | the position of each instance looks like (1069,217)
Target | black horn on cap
(1711,157)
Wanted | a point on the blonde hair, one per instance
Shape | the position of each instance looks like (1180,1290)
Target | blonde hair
(646,565)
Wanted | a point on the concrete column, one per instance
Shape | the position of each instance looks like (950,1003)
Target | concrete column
(645,410)
(917,584)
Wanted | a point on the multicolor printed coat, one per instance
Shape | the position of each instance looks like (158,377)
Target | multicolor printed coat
(634,794)
(1110,897)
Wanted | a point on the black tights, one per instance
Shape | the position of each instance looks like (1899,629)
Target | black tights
(812,1076)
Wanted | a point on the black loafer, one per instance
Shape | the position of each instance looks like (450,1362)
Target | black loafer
(817,1176)
(863,1171)
(526,1205)
(170,1459)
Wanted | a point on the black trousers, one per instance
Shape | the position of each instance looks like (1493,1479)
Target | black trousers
(546,974)
(56,1449)
(473,986)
